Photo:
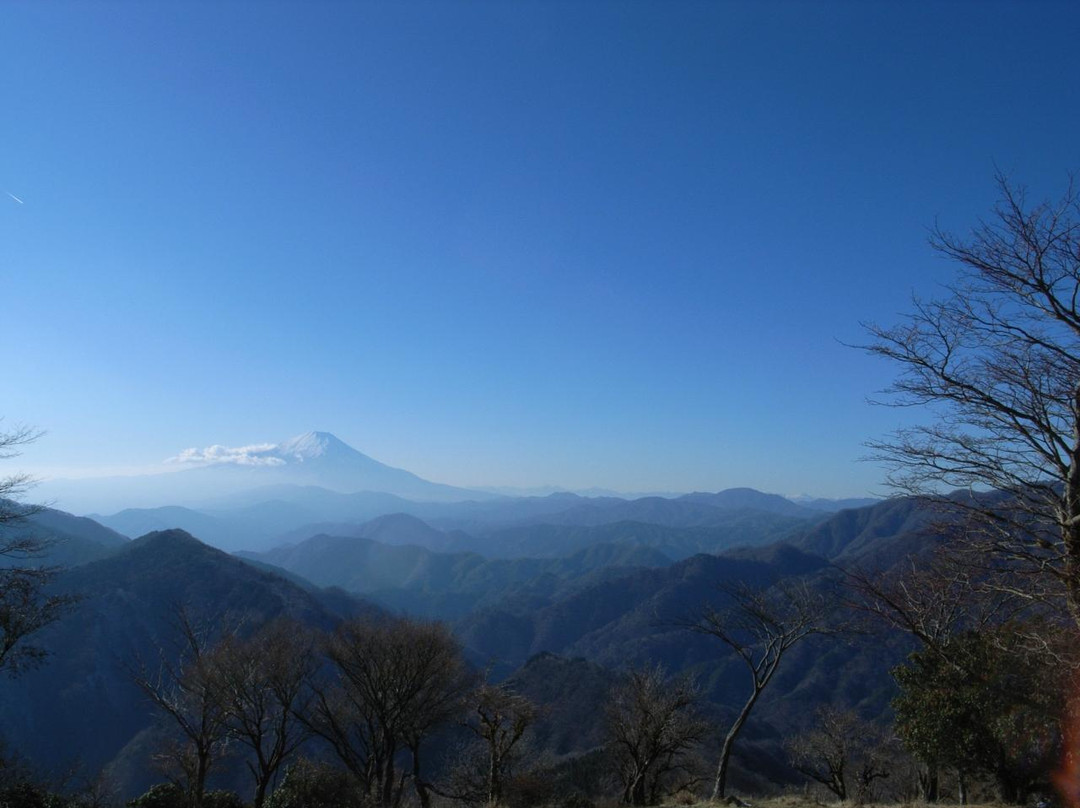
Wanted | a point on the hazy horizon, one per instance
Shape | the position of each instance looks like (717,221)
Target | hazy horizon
(43,476)
(103,491)
(605,245)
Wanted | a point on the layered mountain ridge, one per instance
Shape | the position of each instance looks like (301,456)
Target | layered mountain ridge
(588,608)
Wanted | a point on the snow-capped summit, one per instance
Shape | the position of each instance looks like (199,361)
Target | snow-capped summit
(322,459)
(311,445)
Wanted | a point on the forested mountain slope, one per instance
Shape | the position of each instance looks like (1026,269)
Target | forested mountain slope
(81,706)
(69,540)
(445,585)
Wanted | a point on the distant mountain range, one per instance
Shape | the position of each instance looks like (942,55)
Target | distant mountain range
(312,459)
(318,477)
(504,528)
(262,517)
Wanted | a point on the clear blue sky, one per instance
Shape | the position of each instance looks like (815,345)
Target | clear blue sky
(598,243)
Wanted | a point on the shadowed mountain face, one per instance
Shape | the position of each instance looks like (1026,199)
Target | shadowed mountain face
(876,536)
(447,586)
(69,540)
(82,703)
(724,529)
(621,619)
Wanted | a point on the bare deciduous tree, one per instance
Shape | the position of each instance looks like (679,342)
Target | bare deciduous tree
(652,725)
(997,360)
(499,719)
(840,751)
(394,683)
(185,687)
(932,598)
(263,682)
(760,627)
(25,608)
(14,486)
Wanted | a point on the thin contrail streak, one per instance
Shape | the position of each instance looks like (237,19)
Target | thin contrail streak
(14,197)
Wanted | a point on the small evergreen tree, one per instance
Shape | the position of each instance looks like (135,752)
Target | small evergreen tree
(989,707)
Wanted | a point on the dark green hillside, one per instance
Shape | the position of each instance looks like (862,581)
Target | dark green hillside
(728,529)
(695,510)
(627,620)
(879,534)
(612,621)
(569,732)
(631,622)
(472,517)
(72,539)
(65,526)
(82,703)
(359,564)
(569,691)
(416,580)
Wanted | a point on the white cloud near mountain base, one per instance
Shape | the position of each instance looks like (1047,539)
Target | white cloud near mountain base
(255,455)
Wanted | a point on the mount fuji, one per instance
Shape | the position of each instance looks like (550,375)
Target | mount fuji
(313,459)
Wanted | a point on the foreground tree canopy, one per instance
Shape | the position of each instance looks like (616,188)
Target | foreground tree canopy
(991,707)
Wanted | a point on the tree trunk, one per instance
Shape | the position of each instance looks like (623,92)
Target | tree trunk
(260,793)
(386,798)
(494,781)
(928,783)
(729,743)
(839,784)
(418,782)
(1070,519)
(961,787)
(1008,793)
(202,771)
